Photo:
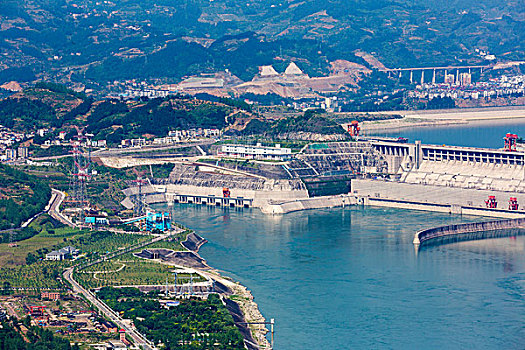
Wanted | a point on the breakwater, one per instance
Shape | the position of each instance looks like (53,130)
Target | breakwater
(469,231)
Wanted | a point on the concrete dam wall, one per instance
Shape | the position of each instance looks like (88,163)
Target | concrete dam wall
(470,231)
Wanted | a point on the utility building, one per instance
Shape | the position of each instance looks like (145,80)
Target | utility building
(255,152)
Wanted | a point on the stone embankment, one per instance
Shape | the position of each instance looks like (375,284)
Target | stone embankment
(470,231)
(193,242)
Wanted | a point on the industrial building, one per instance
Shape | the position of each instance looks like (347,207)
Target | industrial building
(255,152)
(152,221)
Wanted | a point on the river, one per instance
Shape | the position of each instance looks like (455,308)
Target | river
(350,278)
(476,134)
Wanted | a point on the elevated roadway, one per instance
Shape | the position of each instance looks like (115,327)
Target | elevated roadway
(432,68)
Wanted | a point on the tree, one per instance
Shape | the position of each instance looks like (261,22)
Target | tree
(6,288)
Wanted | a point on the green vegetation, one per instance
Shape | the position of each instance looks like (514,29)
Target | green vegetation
(37,246)
(22,266)
(55,106)
(172,39)
(311,121)
(43,106)
(153,117)
(25,114)
(194,324)
(36,338)
(31,278)
(127,271)
(17,235)
(21,196)
(59,88)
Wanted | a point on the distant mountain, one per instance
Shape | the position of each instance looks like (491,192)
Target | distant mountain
(95,42)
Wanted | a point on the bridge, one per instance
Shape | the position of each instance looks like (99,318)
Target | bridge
(446,69)
(433,68)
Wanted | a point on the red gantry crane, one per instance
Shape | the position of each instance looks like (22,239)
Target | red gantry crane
(513,203)
(510,142)
(491,202)
(353,128)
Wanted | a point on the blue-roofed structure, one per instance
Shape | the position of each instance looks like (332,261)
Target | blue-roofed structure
(152,221)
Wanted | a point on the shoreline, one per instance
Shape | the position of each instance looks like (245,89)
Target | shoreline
(437,118)
(245,301)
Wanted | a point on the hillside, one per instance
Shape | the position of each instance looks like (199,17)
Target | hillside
(59,109)
(21,196)
(311,125)
(92,42)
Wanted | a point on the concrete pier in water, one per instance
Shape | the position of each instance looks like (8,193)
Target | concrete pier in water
(470,231)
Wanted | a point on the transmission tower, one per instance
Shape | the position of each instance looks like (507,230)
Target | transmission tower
(80,173)
(140,197)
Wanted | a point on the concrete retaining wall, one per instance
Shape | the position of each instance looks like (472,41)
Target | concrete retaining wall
(467,230)
(440,208)
(310,203)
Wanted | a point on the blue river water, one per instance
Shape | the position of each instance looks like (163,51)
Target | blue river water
(475,134)
(351,279)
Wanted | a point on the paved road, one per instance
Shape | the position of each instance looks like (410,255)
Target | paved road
(149,148)
(54,207)
(138,338)
(54,202)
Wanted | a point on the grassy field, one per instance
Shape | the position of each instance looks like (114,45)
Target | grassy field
(14,267)
(16,256)
(125,272)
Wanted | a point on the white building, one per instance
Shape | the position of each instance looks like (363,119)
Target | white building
(255,152)
(55,255)
(63,253)
(10,154)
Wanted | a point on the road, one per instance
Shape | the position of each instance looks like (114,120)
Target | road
(54,207)
(149,148)
(54,203)
(138,339)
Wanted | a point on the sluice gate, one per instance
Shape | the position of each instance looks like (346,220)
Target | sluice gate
(234,202)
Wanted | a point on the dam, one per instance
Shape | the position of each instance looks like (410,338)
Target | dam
(450,179)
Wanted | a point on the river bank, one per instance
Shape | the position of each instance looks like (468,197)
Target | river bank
(241,299)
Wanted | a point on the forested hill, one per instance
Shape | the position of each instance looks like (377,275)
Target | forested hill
(59,109)
(36,338)
(21,196)
(100,41)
